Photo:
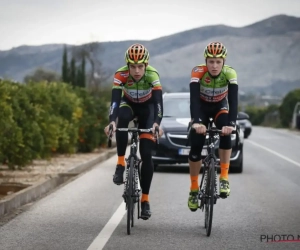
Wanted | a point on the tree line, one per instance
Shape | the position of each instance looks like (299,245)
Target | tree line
(53,114)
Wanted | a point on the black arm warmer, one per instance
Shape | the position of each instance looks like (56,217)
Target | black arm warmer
(233,103)
(158,105)
(195,104)
(116,95)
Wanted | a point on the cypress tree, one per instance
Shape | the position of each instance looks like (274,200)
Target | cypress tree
(65,68)
(73,73)
(82,81)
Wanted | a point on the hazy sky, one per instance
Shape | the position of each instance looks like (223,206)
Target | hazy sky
(36,22)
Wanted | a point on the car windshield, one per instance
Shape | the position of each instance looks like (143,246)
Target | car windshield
(177,107)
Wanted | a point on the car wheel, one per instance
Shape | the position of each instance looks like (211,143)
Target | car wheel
(247,132)
(238,168)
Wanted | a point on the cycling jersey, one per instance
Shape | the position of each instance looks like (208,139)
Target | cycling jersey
(213,89)
(147,90)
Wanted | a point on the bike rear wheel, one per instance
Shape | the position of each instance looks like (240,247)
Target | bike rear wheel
(204,197)
(132,214)
(129,198)
(210,197)
(134,195)
(139,187)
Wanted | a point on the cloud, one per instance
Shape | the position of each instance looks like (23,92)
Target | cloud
(79,21)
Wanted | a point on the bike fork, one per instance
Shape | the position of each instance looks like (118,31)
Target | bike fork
(216,186)
(202,195)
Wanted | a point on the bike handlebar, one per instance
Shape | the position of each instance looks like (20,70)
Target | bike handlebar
(133,130)
(215,130)
(212,130)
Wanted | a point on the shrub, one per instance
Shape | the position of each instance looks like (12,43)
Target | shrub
(39,119)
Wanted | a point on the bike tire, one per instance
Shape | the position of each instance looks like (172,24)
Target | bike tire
(134,197)
(137,170)
(139,194)
(210,196)
(129,198)
(205,197)
(132,214)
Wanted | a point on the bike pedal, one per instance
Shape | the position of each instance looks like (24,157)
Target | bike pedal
(201,207)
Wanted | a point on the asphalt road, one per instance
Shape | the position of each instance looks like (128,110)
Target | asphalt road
(88,213)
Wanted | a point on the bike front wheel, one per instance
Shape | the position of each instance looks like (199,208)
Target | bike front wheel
(129,196)
(210,197)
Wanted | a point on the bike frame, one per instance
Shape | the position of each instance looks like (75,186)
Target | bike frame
(213,136)
(132,187)
(208,189)
(134,173)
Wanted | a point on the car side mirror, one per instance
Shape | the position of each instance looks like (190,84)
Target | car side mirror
(242,116)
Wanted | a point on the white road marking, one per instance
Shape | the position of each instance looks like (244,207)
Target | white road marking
(275,153)
(100,241)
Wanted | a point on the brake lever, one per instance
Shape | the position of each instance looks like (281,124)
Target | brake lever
(189,126)
(189,134)
(237,137)
(110,129)
(157,134)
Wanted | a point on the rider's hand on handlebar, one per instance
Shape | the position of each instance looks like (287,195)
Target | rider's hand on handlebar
(106,129)
(227,130)
(199,128)
(160,131)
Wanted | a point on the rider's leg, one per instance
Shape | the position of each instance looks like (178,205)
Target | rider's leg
(146,147)
(125,116)
(195,167)
(225,149)
(195,162)
(147,142)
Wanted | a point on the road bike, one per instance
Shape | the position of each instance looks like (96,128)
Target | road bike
(132,188)
(208,189)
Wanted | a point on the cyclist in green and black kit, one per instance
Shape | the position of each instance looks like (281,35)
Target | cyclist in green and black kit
(136,92)
(213,93)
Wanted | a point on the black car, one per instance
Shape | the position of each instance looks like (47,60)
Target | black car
(245,125)
(172,147)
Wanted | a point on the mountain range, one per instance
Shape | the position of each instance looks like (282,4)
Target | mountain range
(264,54)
